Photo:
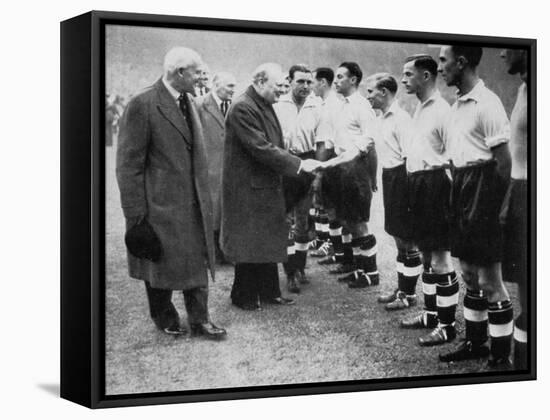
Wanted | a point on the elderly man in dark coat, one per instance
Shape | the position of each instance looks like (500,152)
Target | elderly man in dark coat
(212,109)
(163,180)
(254,228)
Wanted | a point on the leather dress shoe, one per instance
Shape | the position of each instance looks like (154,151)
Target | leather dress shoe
(402,301)
(466,350)
(175,330)
(302,278)
(439,335)
(417,322)
(248,306)
(208,330)
(281,301)
(291,284)
(343,269)
(388,297)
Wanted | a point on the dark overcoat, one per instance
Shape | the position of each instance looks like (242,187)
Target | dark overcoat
(162,175)
(213,125)
(254,227)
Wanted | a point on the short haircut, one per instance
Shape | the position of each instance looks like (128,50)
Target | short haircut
(325,73)
(353,70)
(424,62)
(472,54)
(263,71)
(180,57)
(384,80)
(297,67)
(223,77)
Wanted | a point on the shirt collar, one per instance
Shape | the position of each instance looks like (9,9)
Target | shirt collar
(288,98)
(435,96)
(352,97)
(474,94)
(173,92)
(394,107)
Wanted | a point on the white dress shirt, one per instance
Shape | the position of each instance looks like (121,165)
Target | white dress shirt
(478,123)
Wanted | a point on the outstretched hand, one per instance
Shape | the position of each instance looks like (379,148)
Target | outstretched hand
(310,165)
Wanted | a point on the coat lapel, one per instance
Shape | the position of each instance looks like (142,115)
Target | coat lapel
(268,112)
(211,106)
(169,109)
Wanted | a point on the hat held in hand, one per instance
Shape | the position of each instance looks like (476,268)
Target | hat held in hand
(142,241)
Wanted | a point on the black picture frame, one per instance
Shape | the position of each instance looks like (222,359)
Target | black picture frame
(83,203)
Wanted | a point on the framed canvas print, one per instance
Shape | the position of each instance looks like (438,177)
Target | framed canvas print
(254,209)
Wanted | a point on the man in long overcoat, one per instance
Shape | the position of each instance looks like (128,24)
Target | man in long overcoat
(212,109)
(254,230)
(163,180)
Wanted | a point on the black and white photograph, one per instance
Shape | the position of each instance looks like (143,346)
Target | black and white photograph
(275,210)
(285,209)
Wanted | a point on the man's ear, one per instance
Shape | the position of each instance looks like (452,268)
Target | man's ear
(462,62)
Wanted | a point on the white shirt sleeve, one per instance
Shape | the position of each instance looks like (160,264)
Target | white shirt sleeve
(494,123)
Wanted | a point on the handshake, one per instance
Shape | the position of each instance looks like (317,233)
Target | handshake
(311,165)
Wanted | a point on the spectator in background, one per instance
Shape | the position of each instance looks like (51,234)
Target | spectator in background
(202,86)
(213,108)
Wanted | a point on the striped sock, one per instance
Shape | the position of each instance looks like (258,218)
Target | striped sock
(367,248)
(347,257)
(312,216)
(324,227)
(290,266)
(335,232)
(429,288)
(501,328)
(520,342)
(399,268)
(412,268)
(475,316)
(447,298)
(300,256)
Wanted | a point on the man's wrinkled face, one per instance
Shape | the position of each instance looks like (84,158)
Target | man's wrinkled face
(514,60)
(375,96)
(272,87)
(413,78)
(449,67)
(343,83)
(188,78)
(301,84)
(225,88)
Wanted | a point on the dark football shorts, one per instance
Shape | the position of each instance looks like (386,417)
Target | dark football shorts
(513,218)
(429,193)
(347,189)
(476,198)
(397,217)
(295,189)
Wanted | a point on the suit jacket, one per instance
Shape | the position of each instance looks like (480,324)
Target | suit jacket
(162,175)
(213,124)
(254,225)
